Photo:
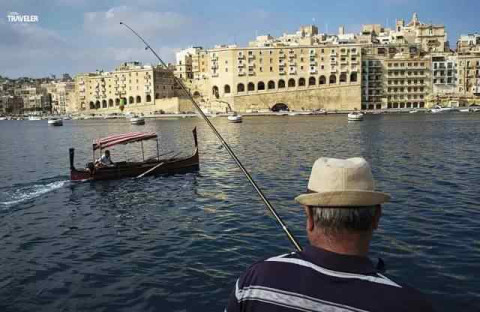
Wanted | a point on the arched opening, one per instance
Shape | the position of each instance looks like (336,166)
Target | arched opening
(149,98)
(322,80)
(215,92)
(117,102)
(104,103)
(157,96)
(196,94)
(97,104)
(343,77)
(130,100)
(291,83)
(271,85)
(353,77)
(301,82)
(139,99)
(281,84)
(226,89)
(92,105)
(251,86)
(279,107)
(312,81)
(333,79)
(110,103)
(240,87)
(260,86)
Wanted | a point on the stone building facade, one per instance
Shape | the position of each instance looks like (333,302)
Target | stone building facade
(131,87)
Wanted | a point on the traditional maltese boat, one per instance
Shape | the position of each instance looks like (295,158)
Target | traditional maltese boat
(153,166)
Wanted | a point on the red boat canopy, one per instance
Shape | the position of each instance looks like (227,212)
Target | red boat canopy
(122,139)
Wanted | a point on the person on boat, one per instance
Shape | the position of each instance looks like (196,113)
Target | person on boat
(334,272)
(105,160)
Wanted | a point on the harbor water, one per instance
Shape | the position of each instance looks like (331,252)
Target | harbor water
(178,243)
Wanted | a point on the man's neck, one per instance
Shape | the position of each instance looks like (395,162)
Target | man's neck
(354,244)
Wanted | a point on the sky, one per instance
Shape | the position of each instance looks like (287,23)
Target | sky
(73,36)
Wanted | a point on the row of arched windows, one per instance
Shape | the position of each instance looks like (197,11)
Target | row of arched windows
(291,83)
(131,100)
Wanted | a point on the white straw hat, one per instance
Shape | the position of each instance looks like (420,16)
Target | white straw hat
(341,183)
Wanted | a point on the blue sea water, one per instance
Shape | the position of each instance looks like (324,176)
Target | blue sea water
(178,243)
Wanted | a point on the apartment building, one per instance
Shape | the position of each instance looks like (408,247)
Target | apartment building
(444,74)
(131,86)
(36,99)
(469,74)
(61,94)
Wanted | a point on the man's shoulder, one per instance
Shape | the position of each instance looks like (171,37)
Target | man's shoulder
(293,273)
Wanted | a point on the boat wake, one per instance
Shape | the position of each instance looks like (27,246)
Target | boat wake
(18,194)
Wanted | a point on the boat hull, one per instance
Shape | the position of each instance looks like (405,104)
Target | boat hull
(131,170)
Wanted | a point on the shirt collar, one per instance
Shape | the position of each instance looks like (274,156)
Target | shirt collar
(338,262)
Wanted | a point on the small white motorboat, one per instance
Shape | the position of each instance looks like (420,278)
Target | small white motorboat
(464,110)
(137,120)
(3,118)
(55,122)
(439,109)
(34,118)
(355,116)
(235,118)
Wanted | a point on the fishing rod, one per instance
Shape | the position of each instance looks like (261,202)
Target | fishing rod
(225,145)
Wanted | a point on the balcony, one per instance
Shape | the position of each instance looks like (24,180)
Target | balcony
(241,57)
(241,65)
(242,73)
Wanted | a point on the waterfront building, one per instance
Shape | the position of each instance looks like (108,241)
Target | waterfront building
(444,74)
(301,71)
(11,105)
(132,87)
(469,74)
(61,94)
(36,99)
(379,68)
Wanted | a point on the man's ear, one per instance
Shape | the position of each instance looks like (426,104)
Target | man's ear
(376,217)
(310,225)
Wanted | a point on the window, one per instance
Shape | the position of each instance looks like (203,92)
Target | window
(240,87)
(281,83)
(251,86)
(271,85)
(226,89)
(261,85)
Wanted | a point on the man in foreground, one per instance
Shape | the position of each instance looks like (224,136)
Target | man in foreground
(333,273)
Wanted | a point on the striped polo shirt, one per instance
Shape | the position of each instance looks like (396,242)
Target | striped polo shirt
(319,280)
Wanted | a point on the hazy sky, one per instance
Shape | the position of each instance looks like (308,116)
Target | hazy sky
(81,36)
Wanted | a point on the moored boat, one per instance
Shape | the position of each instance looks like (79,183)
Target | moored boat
(355,116)
(34,118)
(55,122)
(235,118)
(439,109)
(152,166)
(137,120)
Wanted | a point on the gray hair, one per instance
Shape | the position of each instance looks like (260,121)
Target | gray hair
(335,219)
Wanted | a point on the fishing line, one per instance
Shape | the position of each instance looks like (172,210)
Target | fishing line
(224,143)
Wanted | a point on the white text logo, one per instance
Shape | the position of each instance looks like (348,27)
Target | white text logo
(14,17)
